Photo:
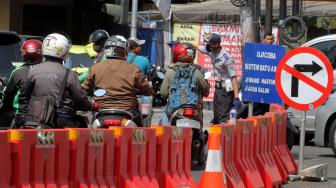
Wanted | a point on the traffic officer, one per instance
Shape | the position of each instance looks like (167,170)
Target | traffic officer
(226,92)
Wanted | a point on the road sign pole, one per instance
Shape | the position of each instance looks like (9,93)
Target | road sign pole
(250,109)
(302,139)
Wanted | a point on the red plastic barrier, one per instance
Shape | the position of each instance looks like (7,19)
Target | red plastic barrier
(228,142)
(281,149)
(40,158)
(91,162)
(174,157)
(245,161)
(135,157)
(5,160)
(263,149)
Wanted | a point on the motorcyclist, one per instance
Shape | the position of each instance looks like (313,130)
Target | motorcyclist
(183,55)
(45,79)
(134,55)
(31,51)
(121,80)
(98,38)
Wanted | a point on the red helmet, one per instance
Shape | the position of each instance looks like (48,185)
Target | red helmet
(183,52)
(31,51)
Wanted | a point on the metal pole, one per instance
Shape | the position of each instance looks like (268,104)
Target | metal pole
(248,31)
(302,139)
(283,9)
(250,109)
(134,18)
(268,19)
(295,12)
(257,20)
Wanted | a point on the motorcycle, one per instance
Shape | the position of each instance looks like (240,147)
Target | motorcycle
(156,76)
(146,109)
(191,116)
(111,117)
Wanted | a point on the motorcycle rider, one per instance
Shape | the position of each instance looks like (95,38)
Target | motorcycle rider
(31,52)
(183,56)
(121,80)
(134,55)
(98,38)
(45,79)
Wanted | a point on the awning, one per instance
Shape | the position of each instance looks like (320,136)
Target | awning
(222,11)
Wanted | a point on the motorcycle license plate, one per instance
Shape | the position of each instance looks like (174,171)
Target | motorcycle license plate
(188,123)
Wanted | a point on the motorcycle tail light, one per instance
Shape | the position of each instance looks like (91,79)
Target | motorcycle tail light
(112,122)
(123,122)
(189,112)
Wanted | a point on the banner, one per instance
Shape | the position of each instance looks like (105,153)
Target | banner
(231,42)
(187,32)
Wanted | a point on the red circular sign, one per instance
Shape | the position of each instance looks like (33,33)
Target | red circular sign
(284,65)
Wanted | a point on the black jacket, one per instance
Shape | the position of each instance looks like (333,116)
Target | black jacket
(45,79)
(16,83)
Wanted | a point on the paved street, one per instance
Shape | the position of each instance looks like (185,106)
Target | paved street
(313,156)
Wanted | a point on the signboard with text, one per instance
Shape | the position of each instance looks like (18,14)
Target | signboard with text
(260,64)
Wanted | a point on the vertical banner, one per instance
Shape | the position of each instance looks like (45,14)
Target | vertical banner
(231,42)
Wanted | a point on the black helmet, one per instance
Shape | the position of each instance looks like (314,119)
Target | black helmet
(99,38)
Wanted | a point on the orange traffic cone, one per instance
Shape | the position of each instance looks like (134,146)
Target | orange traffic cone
(213,177)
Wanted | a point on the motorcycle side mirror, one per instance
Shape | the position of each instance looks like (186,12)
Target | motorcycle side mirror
(160,75)
(207,75)
(99,92)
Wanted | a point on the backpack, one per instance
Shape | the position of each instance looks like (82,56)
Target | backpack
(42,110)
(183,89)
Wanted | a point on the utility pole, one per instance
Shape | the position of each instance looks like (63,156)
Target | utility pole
(134,18)
(247,22)
(257,20)
(282,11)
(295,12)
(248,32)
(269,14)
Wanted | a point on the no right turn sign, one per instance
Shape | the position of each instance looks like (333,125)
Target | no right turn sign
(304,78)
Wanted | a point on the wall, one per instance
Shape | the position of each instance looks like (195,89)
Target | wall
(4,14)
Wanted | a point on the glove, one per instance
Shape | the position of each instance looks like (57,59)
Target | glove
(237,104)
(94,105)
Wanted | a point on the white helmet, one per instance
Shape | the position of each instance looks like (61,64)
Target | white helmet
(56,45)
(115,47)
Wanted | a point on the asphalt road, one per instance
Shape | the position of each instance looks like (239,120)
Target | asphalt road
(313,156)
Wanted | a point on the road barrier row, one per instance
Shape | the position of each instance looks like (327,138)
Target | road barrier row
(96,158)
(254,152)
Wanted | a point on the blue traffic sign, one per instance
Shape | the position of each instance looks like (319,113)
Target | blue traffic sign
(260,64)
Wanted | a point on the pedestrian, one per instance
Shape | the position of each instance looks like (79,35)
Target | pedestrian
(268,38)
(135,57)
(226,88)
